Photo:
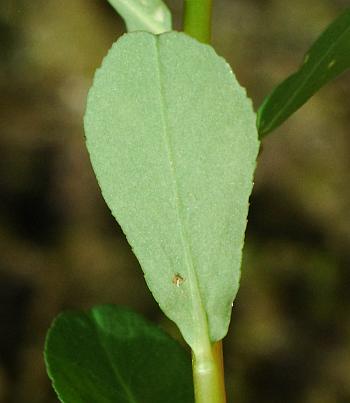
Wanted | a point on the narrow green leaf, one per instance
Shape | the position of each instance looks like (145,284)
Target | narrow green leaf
(144,15)
(173,142)
(328,57)
(113,355)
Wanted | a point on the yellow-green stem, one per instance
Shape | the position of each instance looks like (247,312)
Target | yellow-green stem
(197,19)
(208,375)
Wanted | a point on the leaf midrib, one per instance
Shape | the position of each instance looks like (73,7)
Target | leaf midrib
(198,311)
(128,393)
(307,77)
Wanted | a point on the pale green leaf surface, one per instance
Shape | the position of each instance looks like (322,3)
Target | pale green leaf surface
(144,15)
(328,57)
(173,142)
(113,355)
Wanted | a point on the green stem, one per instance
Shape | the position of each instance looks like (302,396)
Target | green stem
(197,19)
(208,375)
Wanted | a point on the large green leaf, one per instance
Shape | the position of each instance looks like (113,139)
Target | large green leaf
(112,355)
(328,57)
(173,142)
(144,15)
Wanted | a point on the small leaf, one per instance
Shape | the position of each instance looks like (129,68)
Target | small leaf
(328,57)
(144,15)
(173,143)
(111,355)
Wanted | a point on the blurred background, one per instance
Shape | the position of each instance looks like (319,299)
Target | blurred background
(289,339)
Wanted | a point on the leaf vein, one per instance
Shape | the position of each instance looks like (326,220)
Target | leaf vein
(119,377)
(198,311)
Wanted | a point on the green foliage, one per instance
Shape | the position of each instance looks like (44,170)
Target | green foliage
(111,355)
(176,173)
(328,57)
(144,15)
(173,141)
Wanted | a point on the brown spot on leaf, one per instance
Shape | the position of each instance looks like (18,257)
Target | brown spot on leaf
(177,280)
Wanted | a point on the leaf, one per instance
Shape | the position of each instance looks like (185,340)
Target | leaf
(111,354)
(328,57)
(144,15)
(173,143)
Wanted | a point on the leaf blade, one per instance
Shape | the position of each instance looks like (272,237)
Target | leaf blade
(328,57)
(174,159)
(112,354)
(147,15)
